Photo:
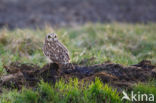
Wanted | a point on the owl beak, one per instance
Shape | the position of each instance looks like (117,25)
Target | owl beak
(55,39)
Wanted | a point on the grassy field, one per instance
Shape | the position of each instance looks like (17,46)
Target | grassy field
(119,43)
(72,92)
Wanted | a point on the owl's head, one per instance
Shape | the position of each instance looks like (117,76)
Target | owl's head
(51,37)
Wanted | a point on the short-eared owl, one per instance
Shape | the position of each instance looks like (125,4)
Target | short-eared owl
(55,50)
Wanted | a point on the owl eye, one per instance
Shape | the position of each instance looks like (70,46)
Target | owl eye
(55,36)
(49,36)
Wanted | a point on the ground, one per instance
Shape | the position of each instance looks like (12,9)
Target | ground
(116,45)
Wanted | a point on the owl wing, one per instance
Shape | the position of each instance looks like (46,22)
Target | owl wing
(45,51)
(63,52)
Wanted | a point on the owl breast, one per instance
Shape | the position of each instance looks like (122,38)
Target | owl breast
(56,52)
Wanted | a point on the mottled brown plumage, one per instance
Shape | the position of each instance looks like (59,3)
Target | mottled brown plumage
(56,51)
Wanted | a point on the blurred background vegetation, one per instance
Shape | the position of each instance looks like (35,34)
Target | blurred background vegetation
(37,13)
(121,43)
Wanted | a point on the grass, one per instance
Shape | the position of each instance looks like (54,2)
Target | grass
(74,91)
(146,88)
(61,92)
(125,44)
(120,43)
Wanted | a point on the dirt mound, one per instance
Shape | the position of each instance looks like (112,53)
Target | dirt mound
(20,74)
(32,13)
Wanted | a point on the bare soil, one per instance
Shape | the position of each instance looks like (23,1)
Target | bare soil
(19,74)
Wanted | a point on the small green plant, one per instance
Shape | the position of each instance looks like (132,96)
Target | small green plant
(47,93)
(99,93)
(25,96)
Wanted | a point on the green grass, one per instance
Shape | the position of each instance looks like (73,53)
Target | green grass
(74,91)
(70,92)
(146,88)
(120,43)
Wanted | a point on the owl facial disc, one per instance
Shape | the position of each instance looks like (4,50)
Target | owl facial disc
(51,37)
